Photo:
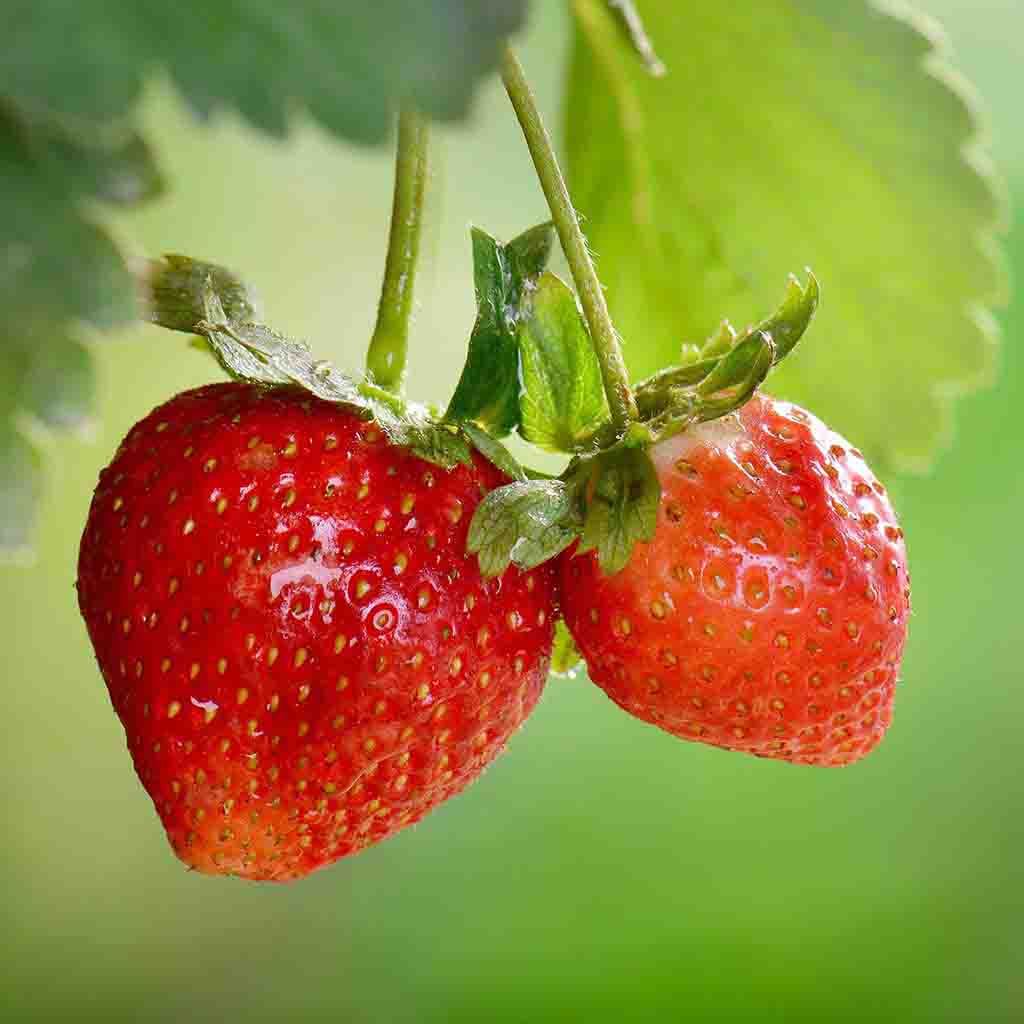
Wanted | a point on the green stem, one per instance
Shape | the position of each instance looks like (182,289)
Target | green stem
(385,359)
(602,333)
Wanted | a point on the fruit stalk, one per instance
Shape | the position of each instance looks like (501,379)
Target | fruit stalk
(386,357)
(621,402)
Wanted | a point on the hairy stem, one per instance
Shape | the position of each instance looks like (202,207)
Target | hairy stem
(385,359)
(602,333)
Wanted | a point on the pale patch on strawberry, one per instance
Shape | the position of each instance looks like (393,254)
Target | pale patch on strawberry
(722,434)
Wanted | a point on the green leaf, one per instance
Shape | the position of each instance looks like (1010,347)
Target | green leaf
(738,375)
(728,360)
(57,269)
(563,401)
(71,74)
(622,496)
(177,289)
(414,429)
(527,256)
(565,655)
(349,64)
(59,266)
(786,326)
(526,523)
(20,487)
(255,352)
(494,451)
(787,133)
(488,390)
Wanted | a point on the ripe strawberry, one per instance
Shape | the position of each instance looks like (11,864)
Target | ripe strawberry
(302,655)
(769,612)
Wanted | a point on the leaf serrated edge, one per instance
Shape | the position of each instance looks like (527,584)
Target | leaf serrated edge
(975,162)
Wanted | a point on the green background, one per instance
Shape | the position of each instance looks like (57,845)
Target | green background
(601,869)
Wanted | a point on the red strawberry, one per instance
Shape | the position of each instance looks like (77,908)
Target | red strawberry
(303,657)
(769,612)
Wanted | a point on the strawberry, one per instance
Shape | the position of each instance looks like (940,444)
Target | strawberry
(302,655)
(768,614)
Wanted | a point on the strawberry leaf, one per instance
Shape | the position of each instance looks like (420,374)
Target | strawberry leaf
(727,360)
(526,523)
(177,293)
(565,655)
(494,451)
(350,65)
(873,174)
(71,76)
(786,326)
(255,352)
(738,375)
(181,287)
(20,487)
(58,271)
(621,504)
(488,390)
(413,428)
(563,401)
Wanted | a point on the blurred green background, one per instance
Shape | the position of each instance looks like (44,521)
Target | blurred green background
(601,869)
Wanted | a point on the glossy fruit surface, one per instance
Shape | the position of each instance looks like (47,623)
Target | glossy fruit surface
(769,613)
(302,655)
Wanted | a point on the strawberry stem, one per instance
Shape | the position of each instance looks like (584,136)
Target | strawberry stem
(621,402)
(385,359)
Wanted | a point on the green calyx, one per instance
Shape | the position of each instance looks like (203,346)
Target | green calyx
(607,498)
(488,390)
(575,395)
(606,501)
(212,302)
(175,290)
(720,376)
(531,370)
(544,361)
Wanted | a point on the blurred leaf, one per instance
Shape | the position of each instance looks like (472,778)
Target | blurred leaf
(349,64)
(20,482)
(71,72)
(56,268)
(59,384)
(788,134)
(488,390)
(563,399)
